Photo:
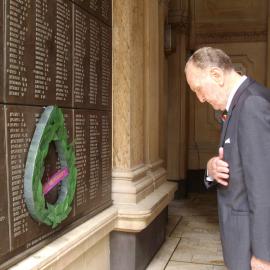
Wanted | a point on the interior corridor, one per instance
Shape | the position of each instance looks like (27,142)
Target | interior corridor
(192,240)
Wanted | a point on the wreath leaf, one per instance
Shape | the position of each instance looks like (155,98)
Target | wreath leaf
(50,128)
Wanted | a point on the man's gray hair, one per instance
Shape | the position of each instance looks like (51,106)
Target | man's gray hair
(211,57)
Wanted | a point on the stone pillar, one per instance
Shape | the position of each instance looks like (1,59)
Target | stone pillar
(177,103)
(140,189)
(151,85)
(163,83)
(130,182)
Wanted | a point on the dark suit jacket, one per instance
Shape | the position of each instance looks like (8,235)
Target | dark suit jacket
(244,206)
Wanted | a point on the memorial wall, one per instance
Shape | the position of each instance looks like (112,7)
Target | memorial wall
(53,52)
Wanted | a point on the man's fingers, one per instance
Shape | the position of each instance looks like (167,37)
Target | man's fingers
(223,176)
(220,152)
(218,168)
(221,163)
(219,171)
(222,182)
(223,170)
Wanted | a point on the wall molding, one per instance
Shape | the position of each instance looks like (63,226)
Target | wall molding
(179,19)
(224,37)
(164,2)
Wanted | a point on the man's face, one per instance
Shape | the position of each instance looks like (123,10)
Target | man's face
(206,86)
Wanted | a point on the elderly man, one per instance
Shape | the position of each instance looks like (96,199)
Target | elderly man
(242,168)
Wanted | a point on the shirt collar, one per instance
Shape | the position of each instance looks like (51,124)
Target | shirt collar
(237,85)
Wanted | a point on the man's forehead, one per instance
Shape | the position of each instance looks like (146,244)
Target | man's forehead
(192,68)
(193,73)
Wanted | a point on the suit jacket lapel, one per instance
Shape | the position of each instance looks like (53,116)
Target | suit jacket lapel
(235,99)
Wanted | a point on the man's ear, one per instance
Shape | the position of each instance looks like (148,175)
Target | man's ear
(217,75)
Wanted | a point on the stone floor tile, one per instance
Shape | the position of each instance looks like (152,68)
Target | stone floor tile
(172,223)
(210,258)
(203,218)
(198,233)
(182,255)
(216,267)
(201,235)
(197,254)
(201,255)
(172,265)
(157,265)
(189,224)
(162,257)
(199,245)
(213,243)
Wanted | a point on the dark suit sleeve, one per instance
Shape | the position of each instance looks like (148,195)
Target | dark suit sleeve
(254,148)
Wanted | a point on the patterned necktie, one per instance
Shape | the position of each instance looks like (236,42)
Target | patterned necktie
(224,116)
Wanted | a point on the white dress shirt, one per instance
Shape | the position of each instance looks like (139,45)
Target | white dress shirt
(232,93)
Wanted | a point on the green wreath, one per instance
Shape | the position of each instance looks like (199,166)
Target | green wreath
(50,128)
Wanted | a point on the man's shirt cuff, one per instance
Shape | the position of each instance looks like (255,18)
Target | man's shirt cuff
(208,177)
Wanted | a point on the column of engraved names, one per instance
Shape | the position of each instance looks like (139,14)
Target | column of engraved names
(63,40)
(94,5)
(4,207)
(16,34)
(79,55)
(105,65)
(106,154)
(43,35)
(94,60)
(106,10)
(81,157)
(18,144)
(94,154)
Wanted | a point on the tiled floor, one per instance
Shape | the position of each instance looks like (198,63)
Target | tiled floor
(192,241)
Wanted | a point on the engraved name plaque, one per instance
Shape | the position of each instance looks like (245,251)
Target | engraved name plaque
(53,52)
(39,52)
(101,9)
